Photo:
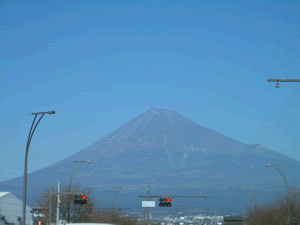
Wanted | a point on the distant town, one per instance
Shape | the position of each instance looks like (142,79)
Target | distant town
(181,219)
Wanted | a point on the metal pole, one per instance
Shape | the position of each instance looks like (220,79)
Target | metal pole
(114,197)
(251,198)
(50,203)
(249,193)
(286,183)
(177,208)
(50,193)
(25,166)
(148,194)
(58,205)
(71,178)
(174,216)
(283,177)
(288,192)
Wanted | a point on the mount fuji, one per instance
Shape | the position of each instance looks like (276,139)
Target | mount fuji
(173,155)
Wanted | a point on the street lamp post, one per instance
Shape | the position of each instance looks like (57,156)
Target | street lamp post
(283,176)
(277,86)
(177,208)
(286,183)
(71,179)
(258,201)
(282,80)
(74,172)
(31,132)
(249,193)
(115,195)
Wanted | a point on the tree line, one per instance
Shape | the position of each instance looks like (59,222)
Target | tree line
(89,213)
(284,210)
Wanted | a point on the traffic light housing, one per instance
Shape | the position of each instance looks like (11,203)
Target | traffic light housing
(165,202)
(80,199)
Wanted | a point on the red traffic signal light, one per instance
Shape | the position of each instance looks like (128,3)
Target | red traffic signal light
(80,199)
(165,202)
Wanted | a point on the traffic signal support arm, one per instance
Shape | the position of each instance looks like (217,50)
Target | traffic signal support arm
(172,196)
(61,193)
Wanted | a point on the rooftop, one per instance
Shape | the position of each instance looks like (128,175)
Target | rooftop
(3,194)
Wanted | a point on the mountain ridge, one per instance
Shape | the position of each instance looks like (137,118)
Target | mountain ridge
(166,150)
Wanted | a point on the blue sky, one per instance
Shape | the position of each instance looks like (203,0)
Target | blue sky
(100,64)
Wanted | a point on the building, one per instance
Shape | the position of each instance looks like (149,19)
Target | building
(233,220)
(11,210)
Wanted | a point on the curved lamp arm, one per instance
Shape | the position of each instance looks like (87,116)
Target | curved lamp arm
(26,159)
(284,179)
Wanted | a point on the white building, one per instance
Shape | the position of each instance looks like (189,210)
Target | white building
(11,210)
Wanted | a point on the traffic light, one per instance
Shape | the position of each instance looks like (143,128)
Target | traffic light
(165,202)
(80,199)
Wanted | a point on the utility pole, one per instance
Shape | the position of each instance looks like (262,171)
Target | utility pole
(282,80)
(148,197)
(176,212)
(50,203)
(115,195)
(249,193)
(56,193)
(58,205)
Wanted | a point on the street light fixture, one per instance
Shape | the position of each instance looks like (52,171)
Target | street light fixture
(282,80)
(26,157)
(116,193)
(49,112)
(71,179)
